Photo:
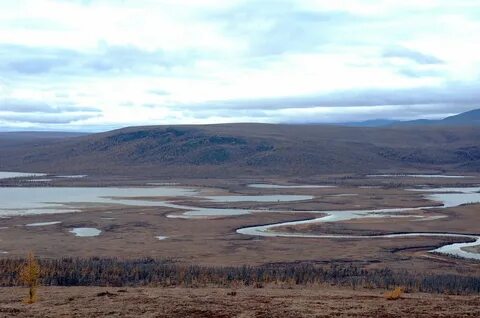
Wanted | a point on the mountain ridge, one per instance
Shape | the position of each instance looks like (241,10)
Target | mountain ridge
(468,118)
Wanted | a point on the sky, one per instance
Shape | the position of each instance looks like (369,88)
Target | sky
(96,65)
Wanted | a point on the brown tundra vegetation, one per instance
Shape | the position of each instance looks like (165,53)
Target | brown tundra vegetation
(165,273)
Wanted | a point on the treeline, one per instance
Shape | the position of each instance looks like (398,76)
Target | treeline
(165,273)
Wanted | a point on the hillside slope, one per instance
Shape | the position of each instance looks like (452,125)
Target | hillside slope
(250,149)
(467,118)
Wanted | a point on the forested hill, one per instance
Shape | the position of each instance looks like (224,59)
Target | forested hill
(228,150)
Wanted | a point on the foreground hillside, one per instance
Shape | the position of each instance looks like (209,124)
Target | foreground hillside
(219,302)
(248,149)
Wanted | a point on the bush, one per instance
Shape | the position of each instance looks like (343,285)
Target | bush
(394,294)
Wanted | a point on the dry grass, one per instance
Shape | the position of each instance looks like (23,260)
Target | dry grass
(394,294)
(219,302)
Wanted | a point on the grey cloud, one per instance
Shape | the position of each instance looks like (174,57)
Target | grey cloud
(159,92)
(458,94)
(227,113)
(34,112)
(36,65)
(26,107)
(128,57)
(416,56)
(24,60)
(276,27)
(33,60)
(417,73)
(65,118)
(36,23)
(19,106)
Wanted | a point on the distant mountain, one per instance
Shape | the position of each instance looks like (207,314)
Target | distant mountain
(371,123)
(13,139)
(40,134)
(470,118)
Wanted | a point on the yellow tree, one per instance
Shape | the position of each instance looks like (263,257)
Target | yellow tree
(29,275)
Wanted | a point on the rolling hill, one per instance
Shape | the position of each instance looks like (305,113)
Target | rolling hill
(229,150)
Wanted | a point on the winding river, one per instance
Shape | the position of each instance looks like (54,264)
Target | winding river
(45,200)
(449,197)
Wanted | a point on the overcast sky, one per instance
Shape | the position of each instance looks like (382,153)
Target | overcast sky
(95,65)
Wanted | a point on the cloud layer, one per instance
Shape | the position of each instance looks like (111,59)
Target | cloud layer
(93,65)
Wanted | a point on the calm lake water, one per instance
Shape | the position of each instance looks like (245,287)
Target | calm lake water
(48,200)
(85,231)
